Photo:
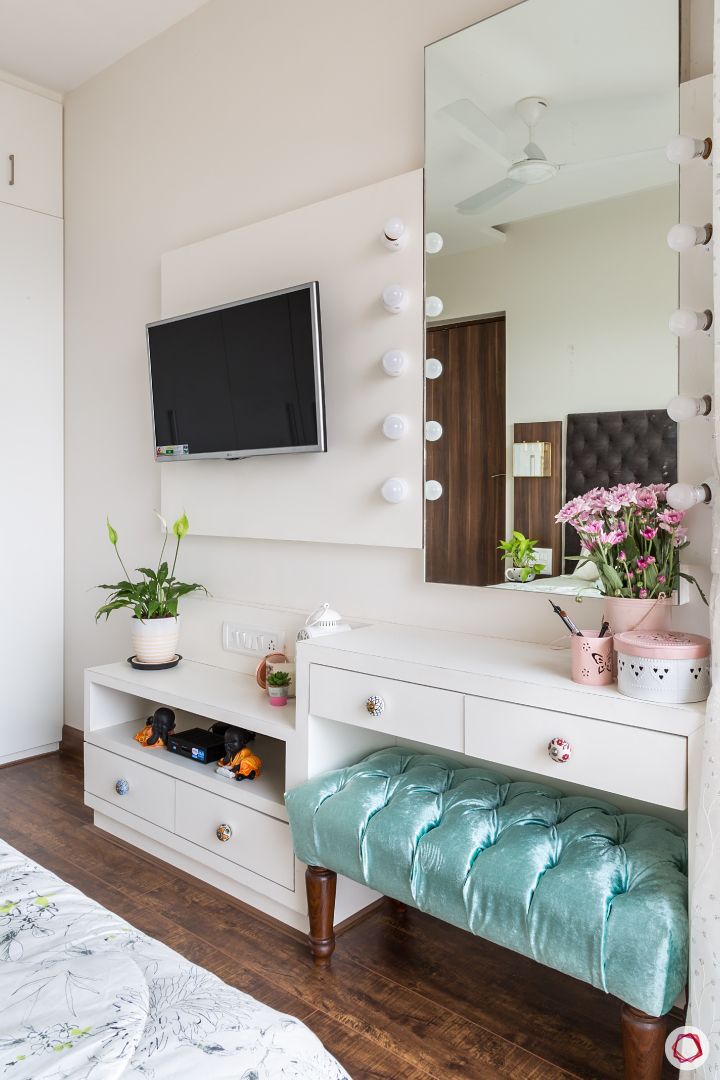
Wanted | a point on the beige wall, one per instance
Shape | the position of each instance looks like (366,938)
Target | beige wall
(586,294)
(242,111)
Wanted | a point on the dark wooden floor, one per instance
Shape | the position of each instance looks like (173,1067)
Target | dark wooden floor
(407,997)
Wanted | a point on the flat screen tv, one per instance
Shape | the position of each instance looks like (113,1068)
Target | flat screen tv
(239,380)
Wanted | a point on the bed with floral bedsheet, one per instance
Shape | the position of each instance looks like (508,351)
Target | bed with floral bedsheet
(85,995)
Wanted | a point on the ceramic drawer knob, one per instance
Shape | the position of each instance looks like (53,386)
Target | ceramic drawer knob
(375,705)
(560,750)
(121,786)
(223,833)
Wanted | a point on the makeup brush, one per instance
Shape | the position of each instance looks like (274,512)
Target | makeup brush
(565,618)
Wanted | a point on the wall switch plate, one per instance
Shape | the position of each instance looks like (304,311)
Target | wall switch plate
(544,556)
(256,641)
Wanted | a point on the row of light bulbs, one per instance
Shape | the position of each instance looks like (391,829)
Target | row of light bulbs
(394,362)
(394,297)
(683,238)
(433,367)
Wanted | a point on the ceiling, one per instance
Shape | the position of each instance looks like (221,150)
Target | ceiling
(609,72)
(59,44)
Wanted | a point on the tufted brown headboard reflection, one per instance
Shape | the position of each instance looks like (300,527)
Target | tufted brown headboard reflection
(602,449)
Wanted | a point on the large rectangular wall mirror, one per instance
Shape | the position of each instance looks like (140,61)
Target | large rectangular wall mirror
(548,200)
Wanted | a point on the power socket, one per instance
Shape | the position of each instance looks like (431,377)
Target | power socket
(254,640)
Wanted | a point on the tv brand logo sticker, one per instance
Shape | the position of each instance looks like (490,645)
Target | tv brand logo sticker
(687,1048)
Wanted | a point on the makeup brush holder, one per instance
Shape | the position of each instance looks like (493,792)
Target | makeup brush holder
(591,659)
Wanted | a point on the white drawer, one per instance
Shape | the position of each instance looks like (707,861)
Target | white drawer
(150,794)
(257,842)
(410,711)
(647,765)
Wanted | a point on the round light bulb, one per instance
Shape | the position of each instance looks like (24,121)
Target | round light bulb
(433,368)
(394,426)
(433,490)
(684,322)
(433,243)
(393,234)
(683,407)
(433,430)
(685,496)
(395,489)
(394,362)
(433,306)
(686,237)
(682,149)
(394,298)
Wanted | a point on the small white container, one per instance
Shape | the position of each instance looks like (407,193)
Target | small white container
(663,665)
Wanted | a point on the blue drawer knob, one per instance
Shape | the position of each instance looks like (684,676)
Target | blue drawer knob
(122,787)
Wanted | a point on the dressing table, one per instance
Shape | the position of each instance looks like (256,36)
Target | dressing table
(495,701)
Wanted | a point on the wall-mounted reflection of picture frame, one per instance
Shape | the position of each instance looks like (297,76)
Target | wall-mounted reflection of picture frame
(532,459)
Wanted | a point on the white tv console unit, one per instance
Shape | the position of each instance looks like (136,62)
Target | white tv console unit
(472,697)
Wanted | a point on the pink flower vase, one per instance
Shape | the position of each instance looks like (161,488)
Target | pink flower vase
(627,613)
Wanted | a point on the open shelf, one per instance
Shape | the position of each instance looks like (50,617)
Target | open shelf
(204,691)
(265,793)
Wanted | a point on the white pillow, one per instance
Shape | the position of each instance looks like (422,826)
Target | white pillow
(586,571)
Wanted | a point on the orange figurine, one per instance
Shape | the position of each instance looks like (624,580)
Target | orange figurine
(242,761)
(156,730)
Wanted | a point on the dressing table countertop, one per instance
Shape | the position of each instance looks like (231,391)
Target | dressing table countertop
(515,671)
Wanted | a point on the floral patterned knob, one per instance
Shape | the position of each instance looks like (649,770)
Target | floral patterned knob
(560,750)
(375,705)
(223,833)
(121,786)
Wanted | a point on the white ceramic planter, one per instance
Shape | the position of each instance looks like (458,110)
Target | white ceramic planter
(155,641)
(514,573)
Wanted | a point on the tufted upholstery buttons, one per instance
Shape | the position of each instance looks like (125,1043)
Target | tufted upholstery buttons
(566,879)
(609,448)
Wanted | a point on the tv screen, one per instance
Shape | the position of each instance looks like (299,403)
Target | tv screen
(239,380)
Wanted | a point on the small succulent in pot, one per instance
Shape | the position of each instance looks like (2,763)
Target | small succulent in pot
(278,687)
(520,553)
(153,600)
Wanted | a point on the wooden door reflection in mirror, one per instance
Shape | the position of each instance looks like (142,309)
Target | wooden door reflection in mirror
(468,401)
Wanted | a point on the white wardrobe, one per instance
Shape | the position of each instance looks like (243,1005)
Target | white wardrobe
(31,423)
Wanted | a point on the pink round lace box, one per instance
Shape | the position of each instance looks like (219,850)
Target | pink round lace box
(663,644)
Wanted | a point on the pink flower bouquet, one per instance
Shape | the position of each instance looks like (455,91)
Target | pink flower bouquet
(633,537)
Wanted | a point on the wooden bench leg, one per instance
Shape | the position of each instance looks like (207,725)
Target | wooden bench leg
(320,885)
(643,1043)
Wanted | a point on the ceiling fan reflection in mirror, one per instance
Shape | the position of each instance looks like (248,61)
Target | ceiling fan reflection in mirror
(521,172)
(533,168)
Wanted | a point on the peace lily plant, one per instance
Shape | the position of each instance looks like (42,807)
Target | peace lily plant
(153,600)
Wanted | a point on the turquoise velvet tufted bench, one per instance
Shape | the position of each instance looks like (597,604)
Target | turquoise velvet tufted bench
(567,880)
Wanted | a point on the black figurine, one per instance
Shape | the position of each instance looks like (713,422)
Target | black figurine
(157,728)
(242,761)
